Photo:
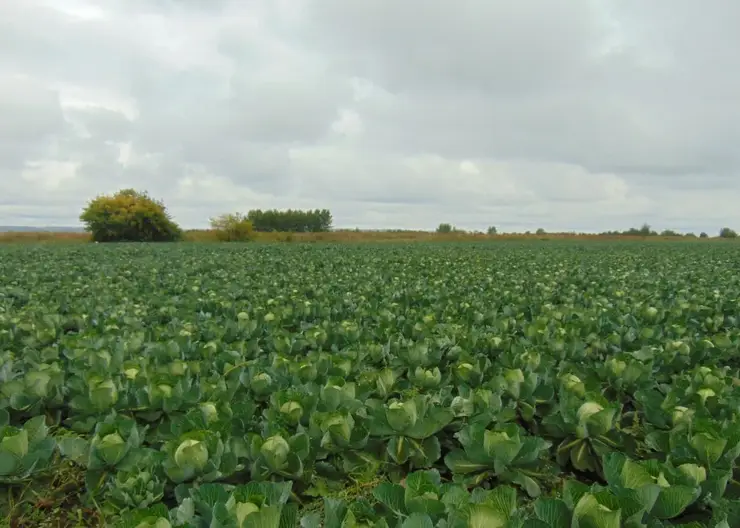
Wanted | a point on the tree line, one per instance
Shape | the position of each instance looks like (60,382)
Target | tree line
(644,231)
(292,220)
(133,216)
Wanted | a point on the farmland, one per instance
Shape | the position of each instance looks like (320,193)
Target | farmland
(528,384)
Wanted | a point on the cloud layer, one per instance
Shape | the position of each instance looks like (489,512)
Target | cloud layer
(582,115)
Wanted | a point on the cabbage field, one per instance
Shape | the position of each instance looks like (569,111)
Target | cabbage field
(450,385)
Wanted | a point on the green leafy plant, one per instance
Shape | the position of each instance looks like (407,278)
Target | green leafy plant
(442,384)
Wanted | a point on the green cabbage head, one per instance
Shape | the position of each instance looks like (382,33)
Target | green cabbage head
(191,454)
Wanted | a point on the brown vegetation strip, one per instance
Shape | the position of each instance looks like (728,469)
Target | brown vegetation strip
(207,235)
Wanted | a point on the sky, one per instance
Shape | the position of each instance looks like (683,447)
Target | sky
(578,115)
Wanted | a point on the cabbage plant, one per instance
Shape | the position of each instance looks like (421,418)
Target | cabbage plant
(24,450)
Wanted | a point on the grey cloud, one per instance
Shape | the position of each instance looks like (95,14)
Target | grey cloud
(368,176)
(497,48)
(596,136)
(239,125)
(57,47)
(102,123)
(211,133)
(285,112)
(585,114)
(533,80)
(28,108)
(30,117)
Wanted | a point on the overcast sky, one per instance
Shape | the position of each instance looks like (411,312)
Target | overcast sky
(568,115)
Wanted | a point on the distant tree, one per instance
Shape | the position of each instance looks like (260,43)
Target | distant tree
(690,235)
(291,220)
(540,231)
(726,232)
(645,230)
(129,216)
(669,233)
(703,235)
(233,227)
(444,228)
(492,230)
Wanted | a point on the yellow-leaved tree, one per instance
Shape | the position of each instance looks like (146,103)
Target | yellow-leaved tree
(129,216)
(233,227)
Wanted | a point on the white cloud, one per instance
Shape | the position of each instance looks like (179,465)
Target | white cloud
(584,115)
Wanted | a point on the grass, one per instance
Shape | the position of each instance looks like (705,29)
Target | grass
(52,501)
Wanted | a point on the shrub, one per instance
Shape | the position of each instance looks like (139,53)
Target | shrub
(726,232)
(129,216)
(492,230)
(444,228)
(233,227)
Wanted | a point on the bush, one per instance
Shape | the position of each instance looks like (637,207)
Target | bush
(444,228)
(726,232)
(492,230)
(129,216)
(233,227)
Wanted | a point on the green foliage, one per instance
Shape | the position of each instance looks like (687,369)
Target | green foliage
(703,235)
(295,221)
(644,231)
(129,216)
(233,227)
(492,230)
(24,450)
(446,228)
(726,232)
(278,386)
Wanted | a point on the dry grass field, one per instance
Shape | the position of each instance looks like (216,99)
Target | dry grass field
(207,235)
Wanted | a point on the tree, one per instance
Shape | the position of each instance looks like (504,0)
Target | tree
(294,221)
(444,228)
(540,231)
(726,232)
(232,227)
(703,235)
(492,230)
(129,216)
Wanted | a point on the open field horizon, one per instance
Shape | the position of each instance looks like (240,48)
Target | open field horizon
(351,235)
